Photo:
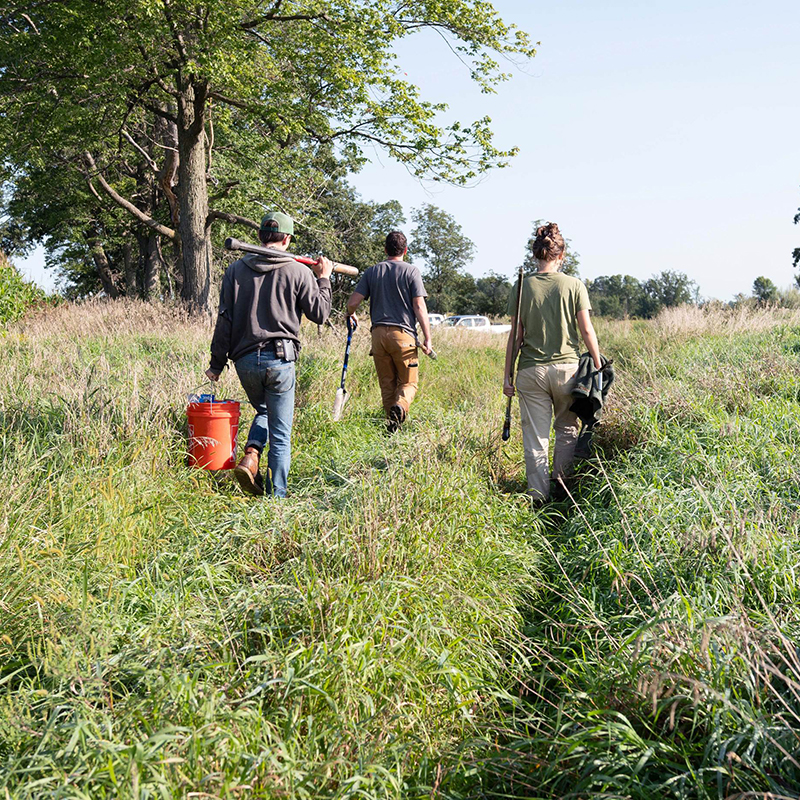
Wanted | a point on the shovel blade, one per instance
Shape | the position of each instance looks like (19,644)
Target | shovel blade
(338,403)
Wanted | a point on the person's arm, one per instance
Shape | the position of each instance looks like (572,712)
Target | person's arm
(353,302)
(421,313)
(512,348)
(315,301)
(589,337)
(221,341)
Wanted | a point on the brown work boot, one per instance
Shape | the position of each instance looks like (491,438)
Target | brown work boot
(397,417)
(247,474)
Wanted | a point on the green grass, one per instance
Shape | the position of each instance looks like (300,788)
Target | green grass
(404,625)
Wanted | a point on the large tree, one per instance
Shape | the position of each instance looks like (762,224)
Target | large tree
(227,102)
(491,295)
(764,290)
(667,290)
(617,296)
(439,241)
(623,296)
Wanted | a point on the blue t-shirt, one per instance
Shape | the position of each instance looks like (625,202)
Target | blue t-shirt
(390,287)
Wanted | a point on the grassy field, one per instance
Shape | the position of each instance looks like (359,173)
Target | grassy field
(404,625)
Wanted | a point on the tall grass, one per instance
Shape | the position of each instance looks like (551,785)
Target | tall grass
(404,625)
(162,634)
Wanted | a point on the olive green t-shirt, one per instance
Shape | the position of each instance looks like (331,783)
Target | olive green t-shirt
(549,314)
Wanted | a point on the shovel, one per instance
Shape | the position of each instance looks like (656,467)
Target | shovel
(341,392)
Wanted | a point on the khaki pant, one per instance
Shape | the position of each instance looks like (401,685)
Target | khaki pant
(394,351)
(545,391)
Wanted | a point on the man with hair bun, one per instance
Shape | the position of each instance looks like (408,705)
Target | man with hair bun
(262,301)
(554,308)
(397,303)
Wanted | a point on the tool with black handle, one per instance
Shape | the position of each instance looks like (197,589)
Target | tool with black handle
(514,354)
(235,244)
(341,392)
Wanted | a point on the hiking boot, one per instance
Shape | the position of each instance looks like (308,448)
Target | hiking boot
(247,474)
(396,418)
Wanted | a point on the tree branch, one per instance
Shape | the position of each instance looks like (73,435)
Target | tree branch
(176,34)
(150,163)
(122,202)
(159,112)
(224,192)
(233,219)
(254,23)
(31,23)
(230,101)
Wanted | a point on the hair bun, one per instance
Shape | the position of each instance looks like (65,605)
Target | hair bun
(549,243)
(548,231)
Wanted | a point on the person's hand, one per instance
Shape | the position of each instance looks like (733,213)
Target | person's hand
(212,375)
(353,322)
(427,346)
(508,388)
(323,268)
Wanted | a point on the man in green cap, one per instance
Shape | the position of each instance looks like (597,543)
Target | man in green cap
(261,303)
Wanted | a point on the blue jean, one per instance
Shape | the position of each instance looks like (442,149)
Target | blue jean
(269,384)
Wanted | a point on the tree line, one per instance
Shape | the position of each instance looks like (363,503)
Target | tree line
(440,244)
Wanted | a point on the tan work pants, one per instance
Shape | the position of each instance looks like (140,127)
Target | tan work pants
(394,351)
(544,392)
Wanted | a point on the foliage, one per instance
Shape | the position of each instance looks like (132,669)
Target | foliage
(667,290)
(616,296)
(16,294)
(572,259)
(187,115)
(440,242)
(665,636)
(623,296)
(764,290)
(491,295)
(350,230)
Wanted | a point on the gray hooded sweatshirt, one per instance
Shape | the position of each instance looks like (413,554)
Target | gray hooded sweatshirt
(263,298)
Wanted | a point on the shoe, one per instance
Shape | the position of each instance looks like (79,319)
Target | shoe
(247,474)
(396,418)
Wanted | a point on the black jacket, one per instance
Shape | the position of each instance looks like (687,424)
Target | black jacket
(263,298)
(591,389)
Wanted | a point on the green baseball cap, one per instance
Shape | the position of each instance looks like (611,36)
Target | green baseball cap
(275,221)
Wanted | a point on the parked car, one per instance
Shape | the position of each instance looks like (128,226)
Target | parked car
(435,319)
(475,322)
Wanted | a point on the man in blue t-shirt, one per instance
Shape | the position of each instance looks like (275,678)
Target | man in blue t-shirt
(397,304)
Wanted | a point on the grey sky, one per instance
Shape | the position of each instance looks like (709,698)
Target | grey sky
(659,135)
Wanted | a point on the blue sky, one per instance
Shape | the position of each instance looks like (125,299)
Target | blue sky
(659,135)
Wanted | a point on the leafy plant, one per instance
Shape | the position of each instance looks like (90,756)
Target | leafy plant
(16,294)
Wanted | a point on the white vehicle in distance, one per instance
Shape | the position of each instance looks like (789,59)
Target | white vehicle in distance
(475,322)
(435,319)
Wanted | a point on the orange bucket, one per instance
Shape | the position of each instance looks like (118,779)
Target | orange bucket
(212,434)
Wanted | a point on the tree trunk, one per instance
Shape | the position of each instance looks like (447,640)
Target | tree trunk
(101,262)
(193,196)
(152,268)
(167,272)
(130,271)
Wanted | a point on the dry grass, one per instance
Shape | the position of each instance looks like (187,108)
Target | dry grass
(715,319)
(102,317)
